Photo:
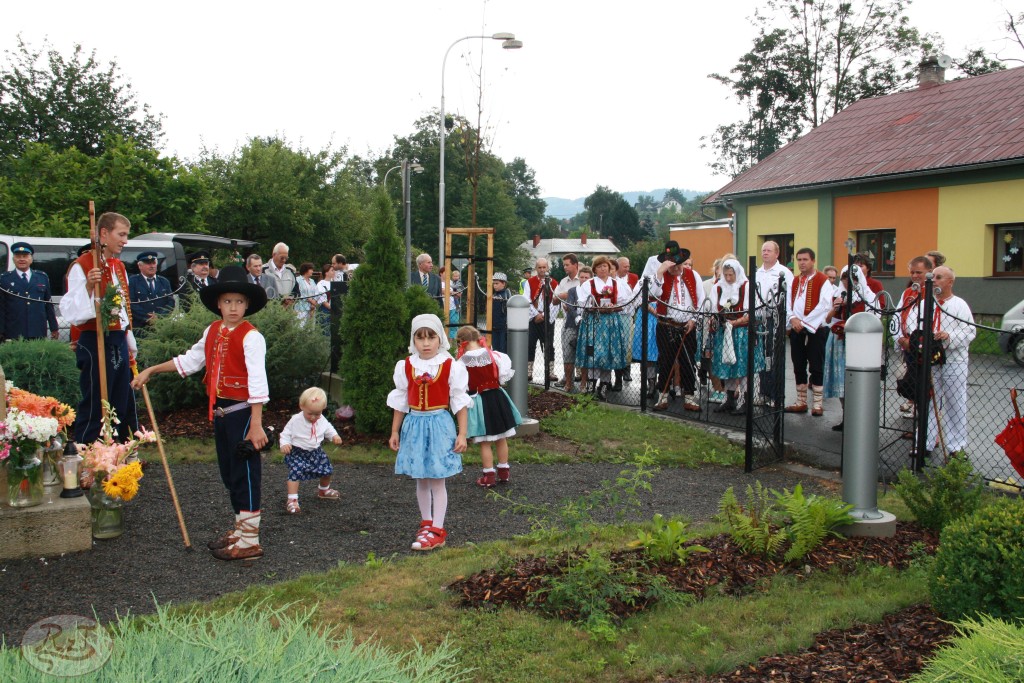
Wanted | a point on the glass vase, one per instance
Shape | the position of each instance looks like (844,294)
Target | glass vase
(107,513)
(25,483)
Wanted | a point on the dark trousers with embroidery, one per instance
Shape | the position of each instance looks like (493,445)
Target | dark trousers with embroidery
(807,349)
(669,339)
(89,414)
(243,477)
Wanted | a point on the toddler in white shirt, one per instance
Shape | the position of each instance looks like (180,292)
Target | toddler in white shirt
(301,441)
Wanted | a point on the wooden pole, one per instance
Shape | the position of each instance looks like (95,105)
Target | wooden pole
(101,350)
(167,469)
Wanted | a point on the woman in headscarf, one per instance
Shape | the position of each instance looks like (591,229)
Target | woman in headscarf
(729,362)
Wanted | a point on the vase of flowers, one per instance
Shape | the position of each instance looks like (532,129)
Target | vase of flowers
(22,437)
(111,472)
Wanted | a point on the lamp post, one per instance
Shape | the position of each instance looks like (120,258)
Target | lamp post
(508,42)
(407,167)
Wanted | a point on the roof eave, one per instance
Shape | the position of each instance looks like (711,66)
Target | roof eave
(724,198)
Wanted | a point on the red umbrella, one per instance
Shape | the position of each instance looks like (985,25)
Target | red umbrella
(1012,438)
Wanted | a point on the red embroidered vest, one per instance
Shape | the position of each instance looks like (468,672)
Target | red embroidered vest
(910,299)
(226,373)
(536,289)
(689,281)
(483,378)
(613,296)
(113,267)
(814,284)
(426,393)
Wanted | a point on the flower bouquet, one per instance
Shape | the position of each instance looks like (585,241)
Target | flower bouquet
(110,474)
(46,407)
(22,436)
(110,307)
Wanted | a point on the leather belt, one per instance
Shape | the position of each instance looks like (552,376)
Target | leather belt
(221,412)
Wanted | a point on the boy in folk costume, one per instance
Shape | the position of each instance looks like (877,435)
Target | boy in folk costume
(677,294)
(78,307)
(810,300)
(233,353)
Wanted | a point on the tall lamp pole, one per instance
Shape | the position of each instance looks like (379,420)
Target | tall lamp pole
(508,42)
(408,167)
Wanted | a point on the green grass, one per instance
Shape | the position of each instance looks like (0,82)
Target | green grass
(402,602)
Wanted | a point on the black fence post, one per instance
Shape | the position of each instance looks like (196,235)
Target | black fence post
(645,293)
(924,373)
(338,292)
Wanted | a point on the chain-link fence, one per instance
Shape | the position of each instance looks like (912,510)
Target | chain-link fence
(947,391)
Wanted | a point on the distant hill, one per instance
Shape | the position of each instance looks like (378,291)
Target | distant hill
(559,207)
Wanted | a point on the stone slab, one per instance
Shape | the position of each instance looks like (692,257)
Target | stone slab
(883,527)
(59,525)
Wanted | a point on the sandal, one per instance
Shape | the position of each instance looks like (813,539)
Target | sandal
(292,508)
(329,494)
(429,538)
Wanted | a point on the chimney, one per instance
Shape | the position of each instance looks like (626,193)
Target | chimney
(536,241)
(931,72)
(583,238)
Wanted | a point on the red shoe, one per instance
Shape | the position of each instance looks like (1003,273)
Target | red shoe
(487,481)
(429,538)
(504,474)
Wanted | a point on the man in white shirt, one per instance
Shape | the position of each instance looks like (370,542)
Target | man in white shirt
(953,327)
(544,307)
(570,332)
(340,265)
(771,279)
(809,301)
(284,272)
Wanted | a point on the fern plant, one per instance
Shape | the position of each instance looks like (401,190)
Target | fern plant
(666,541)
(752,527)
(809,519)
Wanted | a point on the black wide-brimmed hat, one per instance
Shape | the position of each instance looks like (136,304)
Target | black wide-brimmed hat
(234,280)
(673,252)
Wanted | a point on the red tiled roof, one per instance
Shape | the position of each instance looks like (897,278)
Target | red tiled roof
(960,123)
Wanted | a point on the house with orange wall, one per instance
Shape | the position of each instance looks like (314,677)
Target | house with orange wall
(940,166)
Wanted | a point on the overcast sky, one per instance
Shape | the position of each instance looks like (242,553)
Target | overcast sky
(614,94)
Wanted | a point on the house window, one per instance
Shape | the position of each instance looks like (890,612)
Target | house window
(881,246)
(1009,249)
(786,248)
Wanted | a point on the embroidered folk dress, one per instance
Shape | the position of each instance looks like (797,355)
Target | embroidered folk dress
(492,416)
(601,341)
(428,432)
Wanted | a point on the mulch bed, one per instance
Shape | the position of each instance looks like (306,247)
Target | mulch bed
(884,652)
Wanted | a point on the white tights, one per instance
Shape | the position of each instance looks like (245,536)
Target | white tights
(432,497)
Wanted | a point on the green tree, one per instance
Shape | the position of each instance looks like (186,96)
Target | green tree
(824,56)
(612,217)
(375,323)
(269,192)
(45,191)
(69,102)
(522,182)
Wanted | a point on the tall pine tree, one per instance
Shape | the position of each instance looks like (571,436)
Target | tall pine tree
(375,324)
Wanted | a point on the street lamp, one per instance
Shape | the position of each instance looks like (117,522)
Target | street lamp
(407,167)
(508,42)
(393,168)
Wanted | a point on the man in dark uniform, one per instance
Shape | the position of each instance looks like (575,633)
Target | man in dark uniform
(150,293)
(26,308)
(199,276)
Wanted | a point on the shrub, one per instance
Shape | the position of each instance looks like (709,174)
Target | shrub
(985,651)
(978,564)
(943,494)
(42,366)
(375,323)
(419,302)
(296,354)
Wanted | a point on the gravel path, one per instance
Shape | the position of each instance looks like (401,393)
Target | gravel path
(377,514)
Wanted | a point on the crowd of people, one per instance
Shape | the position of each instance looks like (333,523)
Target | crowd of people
(697,333)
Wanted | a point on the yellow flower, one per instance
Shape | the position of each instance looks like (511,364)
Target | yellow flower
(113,488)
(133,470)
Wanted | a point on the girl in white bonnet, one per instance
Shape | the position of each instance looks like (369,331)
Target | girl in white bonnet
(429,384)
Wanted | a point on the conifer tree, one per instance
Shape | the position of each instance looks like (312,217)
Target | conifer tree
(375,324)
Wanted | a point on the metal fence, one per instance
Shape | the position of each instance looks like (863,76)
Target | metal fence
(958,401)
